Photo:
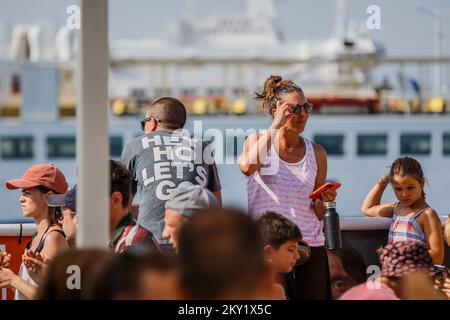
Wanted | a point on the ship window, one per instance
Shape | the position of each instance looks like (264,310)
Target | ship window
(372,144)
(61,147)
(239,91)
(232,143)
(415,143)
(188,91)
(446,144)
(215,91)
(17,147)
(333,143)
(65,147)
(115,146)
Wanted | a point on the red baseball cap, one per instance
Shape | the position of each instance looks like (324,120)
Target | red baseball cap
(46,175)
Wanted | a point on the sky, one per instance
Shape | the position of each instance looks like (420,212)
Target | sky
(405,31)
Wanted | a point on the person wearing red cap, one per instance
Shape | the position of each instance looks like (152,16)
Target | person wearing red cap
(37,184)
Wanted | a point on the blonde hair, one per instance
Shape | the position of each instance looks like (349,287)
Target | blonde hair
(274,89)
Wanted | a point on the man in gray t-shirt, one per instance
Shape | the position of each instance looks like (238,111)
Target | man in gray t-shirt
(164,158)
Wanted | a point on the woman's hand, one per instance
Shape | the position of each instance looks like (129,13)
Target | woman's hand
(5,259)
(328,195)
(281,116)
(34,262)
(6,278)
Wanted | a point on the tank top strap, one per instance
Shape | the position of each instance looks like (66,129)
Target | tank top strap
(29,243)
(309,153)
(395,208)
(42,241)
(308,145)
(420,212)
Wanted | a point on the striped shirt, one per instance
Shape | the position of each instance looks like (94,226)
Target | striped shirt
(130,233)
(284,188)
(406,228)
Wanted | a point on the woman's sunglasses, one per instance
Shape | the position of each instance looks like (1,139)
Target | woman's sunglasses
(307,107)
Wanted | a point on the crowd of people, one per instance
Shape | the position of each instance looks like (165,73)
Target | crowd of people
(184,245)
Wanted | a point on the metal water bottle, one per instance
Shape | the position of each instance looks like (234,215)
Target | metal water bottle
(332,227)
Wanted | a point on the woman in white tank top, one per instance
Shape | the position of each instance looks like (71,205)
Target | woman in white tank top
(282,169)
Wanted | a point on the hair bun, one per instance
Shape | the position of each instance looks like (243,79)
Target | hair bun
(271,85)
(274,80)
(274,87)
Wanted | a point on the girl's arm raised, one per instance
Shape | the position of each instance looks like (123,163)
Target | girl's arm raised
(371,205)
(432,228)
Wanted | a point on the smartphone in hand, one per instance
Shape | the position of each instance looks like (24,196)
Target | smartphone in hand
(327,186)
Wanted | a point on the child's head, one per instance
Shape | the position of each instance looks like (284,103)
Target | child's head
(402,259)
(281,237)
(67,217)
(407,180)
(347,269)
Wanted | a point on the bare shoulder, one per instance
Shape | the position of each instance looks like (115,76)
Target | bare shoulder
(54,235)
(320,154)
(431,215)
(319,150)
(278,292)
(55,239)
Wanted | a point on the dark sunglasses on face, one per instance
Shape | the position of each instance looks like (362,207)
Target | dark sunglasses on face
(143,121)
(297,108)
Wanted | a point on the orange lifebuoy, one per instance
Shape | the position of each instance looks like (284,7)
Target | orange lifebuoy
(13,238)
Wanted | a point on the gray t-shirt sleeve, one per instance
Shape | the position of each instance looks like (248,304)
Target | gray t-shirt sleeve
(214,180)
(128,158)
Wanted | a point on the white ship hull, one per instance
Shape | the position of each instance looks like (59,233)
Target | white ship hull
(356,172)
